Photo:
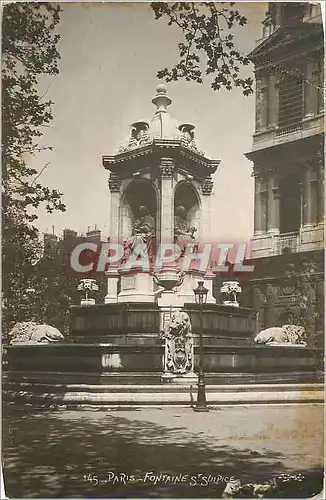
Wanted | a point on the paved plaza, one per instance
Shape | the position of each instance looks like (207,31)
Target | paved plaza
(156,452)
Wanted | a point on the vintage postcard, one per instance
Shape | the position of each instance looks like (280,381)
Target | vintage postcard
(162,249)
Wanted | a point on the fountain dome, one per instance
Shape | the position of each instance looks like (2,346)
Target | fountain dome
(161,126)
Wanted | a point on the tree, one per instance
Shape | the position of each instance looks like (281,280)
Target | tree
(29,49)
(207,41)
(304,279)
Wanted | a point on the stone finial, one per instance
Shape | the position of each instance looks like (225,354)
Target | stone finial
(161,100)
(139,129)
(187,130)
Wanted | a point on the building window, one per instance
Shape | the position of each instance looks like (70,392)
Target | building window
(292,13)
(290,111)
(290,204)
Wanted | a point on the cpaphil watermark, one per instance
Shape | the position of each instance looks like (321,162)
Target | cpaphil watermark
(218,258)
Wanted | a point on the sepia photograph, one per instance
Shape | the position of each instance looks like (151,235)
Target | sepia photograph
(162,249)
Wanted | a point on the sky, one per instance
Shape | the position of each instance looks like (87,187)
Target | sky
(110,54)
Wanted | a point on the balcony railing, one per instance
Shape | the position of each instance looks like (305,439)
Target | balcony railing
(288,130)
(288,242)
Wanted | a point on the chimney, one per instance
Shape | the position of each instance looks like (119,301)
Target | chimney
(69,234)
(50,242)
(94,235)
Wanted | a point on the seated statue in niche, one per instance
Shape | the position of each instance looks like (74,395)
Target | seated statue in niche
(143,230)
(183,232)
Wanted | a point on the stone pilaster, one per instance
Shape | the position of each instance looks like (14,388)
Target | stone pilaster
(307,196)
(259,304)
(114,186)
(272,100)
(271,297)
(321,206)
(263,204)
(309,92)
(276,198)
(206,191)
(166,167)
(261,104)
(273,224)
(257,207)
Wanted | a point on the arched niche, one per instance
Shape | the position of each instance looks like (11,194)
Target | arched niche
(140,192)
(186,195)
(288,317)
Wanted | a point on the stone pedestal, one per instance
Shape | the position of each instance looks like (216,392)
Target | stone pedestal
(168,303)
(182,379)
(87,302)
(208,283)
(190,282)
(113,279)
(136,287)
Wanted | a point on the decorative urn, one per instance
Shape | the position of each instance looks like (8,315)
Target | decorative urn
(230,291)
(88,286)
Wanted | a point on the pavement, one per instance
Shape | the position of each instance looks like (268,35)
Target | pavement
(158,452)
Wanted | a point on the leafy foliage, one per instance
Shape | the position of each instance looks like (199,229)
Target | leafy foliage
(206,28)
(304,278)
(29,50)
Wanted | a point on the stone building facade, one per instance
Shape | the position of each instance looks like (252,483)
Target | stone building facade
(288,169)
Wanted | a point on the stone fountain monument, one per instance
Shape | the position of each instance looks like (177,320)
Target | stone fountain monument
(161,185)
(147,331)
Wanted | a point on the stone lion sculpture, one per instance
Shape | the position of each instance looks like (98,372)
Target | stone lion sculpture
(179,357)
(32,333)
(178,326)
(282,335)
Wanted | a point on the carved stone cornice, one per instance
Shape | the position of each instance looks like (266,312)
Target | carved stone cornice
(114,183)
(199,164)
(166,167)
(207,186)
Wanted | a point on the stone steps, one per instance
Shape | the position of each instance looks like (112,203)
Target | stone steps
(154,378)
(160,394)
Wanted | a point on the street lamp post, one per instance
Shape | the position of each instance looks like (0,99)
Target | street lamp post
(201,297)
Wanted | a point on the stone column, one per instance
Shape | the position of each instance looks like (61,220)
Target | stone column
(309,92)
(263,204)
(257,207)
(112,274)
(271,297)
(167,203)
(261,108)
(307,196)
(259,304)
(272,204)
(321,207)
(206,189)
(114,186)
(272,100)
(276,197)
